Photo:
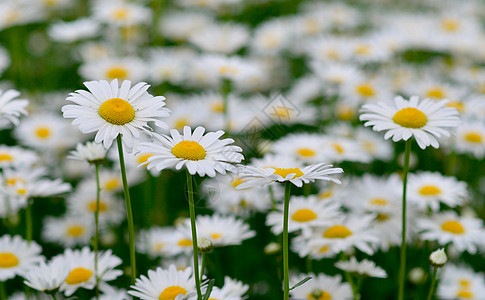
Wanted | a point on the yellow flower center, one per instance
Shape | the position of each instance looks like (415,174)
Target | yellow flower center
(185,243)
(143,158)
(430,190)
(217,107)
(8,260)
(305,152)
(181,123)
(465,283)
(117,72)
(237,182)
(453,227)
(92,206)
(457,105)
(189,150)
(78,275)
(410,117)
(345,113)
(172,292)
(75,231)
(11,181)
(117,111)
(333,54)
(43,132)
(324,195)
(159,246)
(5,157)
(365,90)
(363,49)
(111,184)
(283,172)
(450,25)
(465,294)
(474,137)
(436,92)
(21,191)
(226,70)
(323,295)
(379,201)
(304,215)
(337,232)
(323,249)
(282,113)
(120,13)
(382,217)
(216,236)
(338,147)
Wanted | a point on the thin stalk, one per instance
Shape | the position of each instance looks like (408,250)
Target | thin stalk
(190,192)
(355,289)
(204,262)
(308,264)
(271,195)
(54,296)
(285,241)
(3,292)
(129,213)
(28,221)
(402,270)
(96,232)
(433,284)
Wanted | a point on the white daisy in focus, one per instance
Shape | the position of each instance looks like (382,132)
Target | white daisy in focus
(46,277)
(90,152)
(11,109)
(17,256)
(429,189)
(464,233)
(164,284)
(365,268)
(68,230)
(199,153)
(111,110)
(321,287)
(426,120)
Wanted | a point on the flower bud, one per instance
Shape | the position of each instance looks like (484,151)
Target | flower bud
(204,245)
(272,248)
(438,258)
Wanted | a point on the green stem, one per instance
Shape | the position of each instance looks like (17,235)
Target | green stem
(402,270)
(271,195)
(129,213)
(96,232)
(54,296)
(204,262)
(190,192)
(308,264)
(433,283)
(285,240)
(355,290)
(3,292)
(28,221)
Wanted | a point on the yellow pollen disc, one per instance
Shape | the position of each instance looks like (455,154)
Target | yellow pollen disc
(305,152)
(283,113)
(181,123)
(43,132)
(5,157)
(311,26)
(338,148)
(430,190)
(111,184)
(456,104)
(226,70)
(185,243)
(78,275)
(325,296)
(450,25)
(337,232)
(12,16)
(120,13)
(21,191)
(379,201)
(370,147)
(323,249)
(382,217)
(217,107)
(345,113)
(143,158)
(465,283)
(283,172)
(465,294)
(11,181)
(92,206)
(410,117)
(75,231)
(362,49)
(237,182)
(474,137)
(189,150)
(304,215)
(216,236)
(117,72)
(8,260)
(159,246)
(172,292)
(325,195)
(436,92)
(117,111)
(333,54)
(365,90)
(453,227)
(50,2)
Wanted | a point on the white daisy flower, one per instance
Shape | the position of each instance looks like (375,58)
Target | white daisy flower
(428,190)
(122,13)
(90,152)
(464,233)
(46,277)
(69,32)
(338,149)
(307,148)
(371,142)
(16,157)
(17,256)
(460,282)
(306,246)
(124,68)
(81,269)
(425,120)
(156,241)
(304,212)
(110,110)
(233,288)
(68,230)
(11,109)
(201,154)
(223,38)
(363,268)
(163,284)
(321,287)
(470,139)
(111,293)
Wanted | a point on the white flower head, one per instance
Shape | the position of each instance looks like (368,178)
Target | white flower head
(362,268)
(438,258)
(90,152)
(46,277)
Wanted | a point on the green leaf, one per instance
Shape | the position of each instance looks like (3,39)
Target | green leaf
(301,282)
(209,289)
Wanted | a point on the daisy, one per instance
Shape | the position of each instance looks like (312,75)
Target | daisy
(110,110)
(181,25)
(164,284)
(223,38)
(307,148)
(460,282)
(338,149)
(17,256)
(15,157)
(321,287)
(425,120)
(46,277)
(11,109)
(156,241)
(427,189)
(201,154)
(470,139)
(90,152)
(371,142)
(365,268)
(122,13)
(305,246)
(464,233)
(68,230)
(69,32)
(125,68)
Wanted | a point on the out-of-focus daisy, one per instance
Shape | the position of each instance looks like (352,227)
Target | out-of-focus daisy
(470,139)
(126,68)
(201,154)
(179,26)
(321,287)
(122,13)
(90,152)
(81,269)
(110,110)
(111,293)
(68,230)
(307,148)
(363,268)
(164,284)
(15,157)
(426,120)
(338,149)
(304,213)
(427,189)
(272,37)
(46,277)
(156,241)
(11,109)
(460,282)
(464,233)
(224,38)
(17,256)
(371,142)
(68,32)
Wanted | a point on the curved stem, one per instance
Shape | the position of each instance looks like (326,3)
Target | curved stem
(402,269)
(433,283)
(28,221)
(285,241)
(129,213)
(190,192)
(96,232)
